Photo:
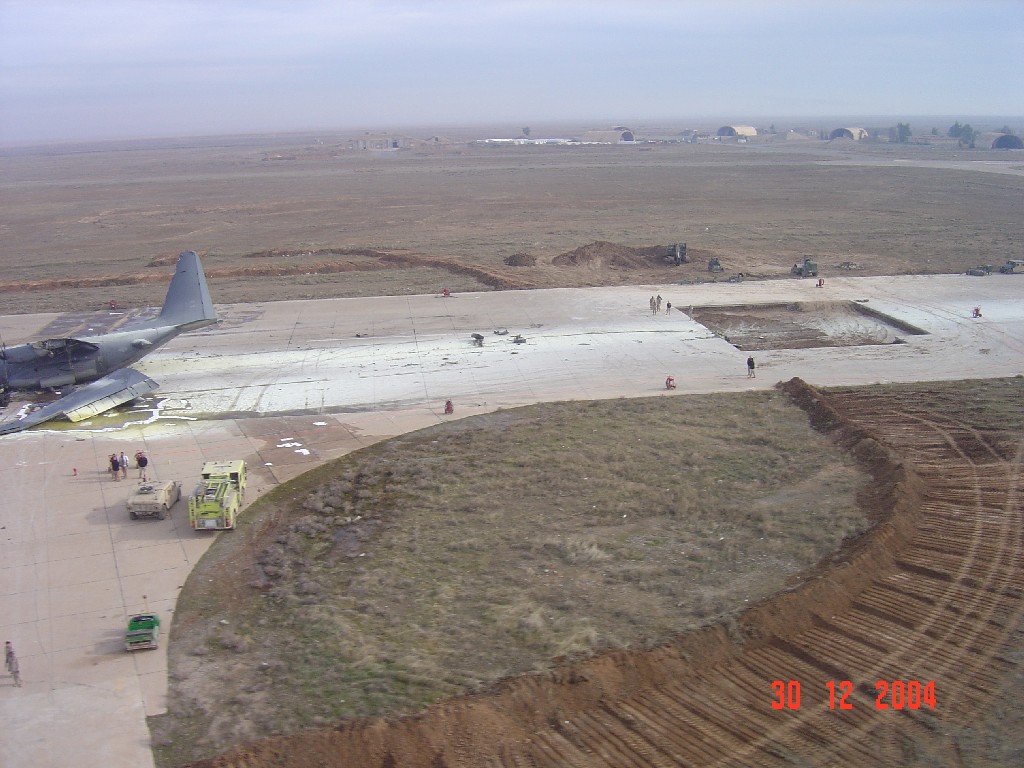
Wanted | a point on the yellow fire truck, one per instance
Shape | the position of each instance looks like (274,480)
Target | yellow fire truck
(217,498)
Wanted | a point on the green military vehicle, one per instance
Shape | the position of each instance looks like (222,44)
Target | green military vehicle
(806,268)
(143,632)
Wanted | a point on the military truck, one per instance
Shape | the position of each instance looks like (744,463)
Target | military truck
(143,632)
(153,499)
(217,498)
(1009,267)
(807,268)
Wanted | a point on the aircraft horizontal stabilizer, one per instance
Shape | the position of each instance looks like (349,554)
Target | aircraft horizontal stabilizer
(85,402)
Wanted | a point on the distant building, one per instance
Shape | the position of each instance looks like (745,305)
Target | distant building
(849,133)
(520,141)
(379,141)
(736,131)
(1005,141)
(619,135)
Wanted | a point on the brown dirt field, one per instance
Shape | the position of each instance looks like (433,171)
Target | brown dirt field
(932,594)
(85,225)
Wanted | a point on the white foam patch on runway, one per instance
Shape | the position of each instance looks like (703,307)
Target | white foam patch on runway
(588,343)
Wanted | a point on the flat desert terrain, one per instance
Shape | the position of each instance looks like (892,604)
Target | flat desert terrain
(84,226)
(932,591)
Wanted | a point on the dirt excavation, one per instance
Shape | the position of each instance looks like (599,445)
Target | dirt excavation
(802,325)
(898,650)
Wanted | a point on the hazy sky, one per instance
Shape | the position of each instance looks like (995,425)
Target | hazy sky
(120,68)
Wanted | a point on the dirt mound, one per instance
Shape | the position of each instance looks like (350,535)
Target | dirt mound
(520,260)
(604,254)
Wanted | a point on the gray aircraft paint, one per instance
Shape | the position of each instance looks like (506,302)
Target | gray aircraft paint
(97,366)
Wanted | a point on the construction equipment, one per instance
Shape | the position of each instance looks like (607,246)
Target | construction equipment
(714,265)
(143,632)
(153,500)
(676,254)
(1009,267)
(807,268)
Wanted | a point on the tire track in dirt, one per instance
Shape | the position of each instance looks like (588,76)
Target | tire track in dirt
(374,260)
(933,593)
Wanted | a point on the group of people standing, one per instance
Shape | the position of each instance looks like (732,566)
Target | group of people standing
(119,465)
(656,305)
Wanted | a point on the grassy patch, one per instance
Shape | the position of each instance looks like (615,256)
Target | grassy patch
(443,560)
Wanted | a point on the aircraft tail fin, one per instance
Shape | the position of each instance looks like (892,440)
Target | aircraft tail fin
(188,304)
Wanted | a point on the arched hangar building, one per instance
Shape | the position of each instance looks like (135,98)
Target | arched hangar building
(1007,141)
(849,133)
(736,131)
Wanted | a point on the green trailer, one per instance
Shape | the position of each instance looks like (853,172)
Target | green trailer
(143,632)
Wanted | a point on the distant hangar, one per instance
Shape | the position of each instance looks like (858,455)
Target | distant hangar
(1005,141)
(856,134)
(745,131)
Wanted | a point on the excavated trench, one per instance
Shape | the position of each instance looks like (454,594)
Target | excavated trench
(802,325)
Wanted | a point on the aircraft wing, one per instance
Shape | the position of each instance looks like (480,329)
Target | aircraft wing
(86,401)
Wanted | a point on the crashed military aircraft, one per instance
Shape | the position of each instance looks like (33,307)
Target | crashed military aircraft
(99,363)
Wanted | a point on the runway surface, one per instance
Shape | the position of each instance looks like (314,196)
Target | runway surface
(290,385)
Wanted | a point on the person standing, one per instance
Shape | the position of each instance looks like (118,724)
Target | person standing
(11,663)
(142,462)
(123,461)
(751,374)
(115,466)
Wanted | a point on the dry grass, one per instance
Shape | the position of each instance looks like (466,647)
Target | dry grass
(112,213)
(444,560)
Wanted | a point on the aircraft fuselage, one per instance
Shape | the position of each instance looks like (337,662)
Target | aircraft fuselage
(65,362)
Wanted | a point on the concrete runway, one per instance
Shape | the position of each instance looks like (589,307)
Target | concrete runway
(290,385)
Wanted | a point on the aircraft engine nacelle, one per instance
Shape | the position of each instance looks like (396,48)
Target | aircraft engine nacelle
(62,380)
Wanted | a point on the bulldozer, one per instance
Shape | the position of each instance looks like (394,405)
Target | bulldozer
(808,268)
